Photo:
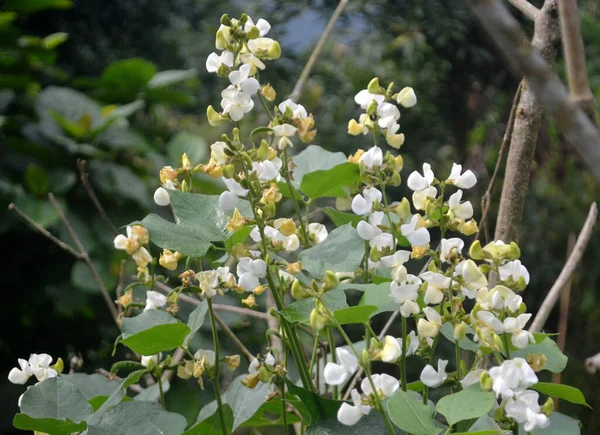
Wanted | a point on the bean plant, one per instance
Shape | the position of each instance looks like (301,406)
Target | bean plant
(259,240)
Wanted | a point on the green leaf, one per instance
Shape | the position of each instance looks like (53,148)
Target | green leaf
(184,142)
(556,360)
(342,251)
(560,424)
(36,179)
(314,158)
(196,319)
(68,103)
(40,210)
(379,295)
(93,385)
(128,76)
(53,406)
(369,424)
(212,423)
(410,415)
(153,331)
(238,237)
(340,218)
(466,404)
(311,406)
(188,241)
(299,311)
(565,392)
(339,181)
(447,331)
(138,418)
(357,314)
(269,414)
(53,40)
(31,6)
(171,77)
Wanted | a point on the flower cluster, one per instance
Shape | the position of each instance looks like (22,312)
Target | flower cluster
(39,366)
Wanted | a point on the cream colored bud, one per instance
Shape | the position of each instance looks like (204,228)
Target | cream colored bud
(403,209)
(548,407)
(399,163)
(299,292)
(427,329)
(354,128)
(286,226)
(268,92)
(251,381)
(232,361)
(395,140)
(249,301)
(258,290)
(355,158)
(373,87)
(476,252)
(294,268)
(235,223)
(514,252)
(331,281)
(274,52)
(460,331)
(486,381)
(317,320)
(185,161)
(407,97)
(169,259)
(214,118)
(469,228)
(168,173)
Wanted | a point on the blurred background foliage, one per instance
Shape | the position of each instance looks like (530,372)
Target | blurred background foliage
(123,86)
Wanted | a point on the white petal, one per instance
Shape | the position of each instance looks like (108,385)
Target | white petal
(521,339)
(360,205)
(467,180)
(335,374)
(120,242)
(389,384)
(367,231)
(213,62)
(432,315)
(250,86)
(17,376)
(228,200)
(349,415)
(416,181)
(263,26)
(464,210)
(430,377)
(346,359)
(248,281)
(161,197)
(407,97)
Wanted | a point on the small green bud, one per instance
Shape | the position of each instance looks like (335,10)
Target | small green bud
(520,284)
(548,407)
(390,90)
(225,20)
(460,331)
(331,281)
(522,308)
(372,108)
(403,209)
(476,251)
(498,342)
(236,134)
(265,375)
(269,210)
(59,366)
(514,252)
(274,52)
(317,320)
(374,254)
(364,357)
(395,180)
(299,292)
(243,19)
(184,186)
(429,208)
(214,118)
(374,86)
(253,33)
(263,150)
(486,382)
(228,171)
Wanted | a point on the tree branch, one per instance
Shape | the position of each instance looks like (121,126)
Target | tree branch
(84,177)
(529,10)
(317,50)
(234,338)
(567,271)
(574,53)
(524,60)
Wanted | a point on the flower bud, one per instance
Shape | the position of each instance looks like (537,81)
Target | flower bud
(268,92)
(430,208)
(395,179)
(373,87)
(476,252)
(486,381)
(548,407)
(249,301)
(169,259)
(185,161)
(372,108)
(419,251)
(403,209)
(468,228)
(251,381)
(268,210)
(184,186)
(354,158)
(514,252)
(294,268)
(59,366)
(214,118)
(354,128)
(395,140)
(253,33)
(274,52)
(287,227)
(374,254)
(319,318)
(232,361)
(265,375)
(460,331)
(299,292)
(221,39)
(228,171)
(126,299)
(406,97)
(225,20)
(331,281)
(399,163)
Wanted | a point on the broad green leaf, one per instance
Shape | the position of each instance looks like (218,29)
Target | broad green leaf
(447,331)
(369,424)
(184,399)
(342,251)
(212,423)
(556,360)
(560,424)
(53,406)
(184,142)
(120,181)
(411,416)
(299,311)
(53,40)
(565,392)
(196,319)
(340,218)
(379,295)
(68,103)
(82,278)
(171,77)
(357,314)
(36,179)
(31,6)
(269,414)
(314,158)
(467,404)
(138,418)
(152,392)
(167,235)
(311,406)
(238,237)
(153,331)
(128,76)
(92,385)
(339,181)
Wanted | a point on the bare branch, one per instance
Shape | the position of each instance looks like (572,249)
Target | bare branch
(136,388)
(511,40)
(85,257)
(317,50)
(234,338)
(84,177)
(529,10)
(574,53)
(567,271)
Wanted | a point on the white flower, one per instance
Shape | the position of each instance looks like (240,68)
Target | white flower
(215,61)
(473,278)
(38,366)
(152,359)
(264,48)
(241,80)
(433,378)
(525,409)
(229,198)
(489,320)
(255,364)
(406,293)
(362,205)
(283,133)
(154,300)
(388,115)
(448,245)
(298,110)
(406,97)
(372,158)
(318,231)
(431,327)
(336,374)
(413,343)
(416,236)
(268,170)
(418,182)
(514,325)
(351,414)
(464,181)
(382,242)
(209,282)
(142,257)
(385,385)
(461,210)
(420,197)
(515,270)
(218,152)
(364,98)
(249,271)
(436,284)
(288,243)
(513,376)
(263,26)
(396,261)
(161,195)
(369,230)
(471,378)
(498,298)
(392,349)
(236,103)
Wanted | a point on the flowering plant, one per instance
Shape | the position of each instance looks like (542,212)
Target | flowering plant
(466,297)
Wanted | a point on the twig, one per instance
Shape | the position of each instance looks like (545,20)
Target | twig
(592,364)
(564,317)
(384,331)
(487,197)
(44,232)
(84,177)
(529,10)
(574,53)
(567,271)
(135,387)
(234,338)
(524,60)
(316,51)
(85,257)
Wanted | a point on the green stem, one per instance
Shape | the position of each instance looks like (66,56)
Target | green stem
(457,354)
(433,345)
(403,379)
(335,392)
(216,378)
(162,394)
(293,194)
(366,271)
(506,345)
(284,408)
(313,358)
(387,214)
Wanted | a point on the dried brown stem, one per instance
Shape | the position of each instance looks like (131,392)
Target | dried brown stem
(84,177)
(316,51)
(529,10)
(234,338)
(567,271)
